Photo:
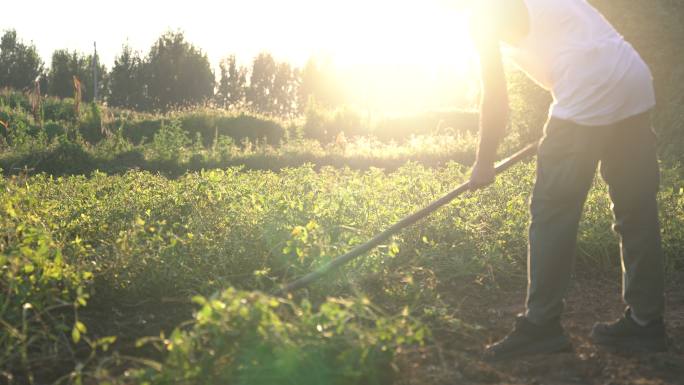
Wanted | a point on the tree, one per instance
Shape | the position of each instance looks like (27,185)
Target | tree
(127,81)
(319,83)
(273,87)
(66,65)
(20,64)
(177,73)
(285,86)
(260,92)
(232,85)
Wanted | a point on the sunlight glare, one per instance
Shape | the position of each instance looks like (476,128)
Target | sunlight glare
(397,55)
(394,55)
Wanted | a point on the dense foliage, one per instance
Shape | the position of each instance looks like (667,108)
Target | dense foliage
(656,31)
(251,338)
(177,73)
(65,66)
(57,139)
(109,241)
(20,64)
(173,74)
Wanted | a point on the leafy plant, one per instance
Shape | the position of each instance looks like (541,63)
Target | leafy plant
(40,293)
(169,142)
(250,338)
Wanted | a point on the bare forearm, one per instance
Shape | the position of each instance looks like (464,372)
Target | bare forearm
(494,105)
(494,102)
(493,120)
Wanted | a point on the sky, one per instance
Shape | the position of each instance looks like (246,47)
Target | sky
(379,44)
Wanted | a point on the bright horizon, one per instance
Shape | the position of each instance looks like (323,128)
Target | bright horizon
(396,54)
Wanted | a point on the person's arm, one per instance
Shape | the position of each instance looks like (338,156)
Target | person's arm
(494,98)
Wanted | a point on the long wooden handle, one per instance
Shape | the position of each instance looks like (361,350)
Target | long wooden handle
(405,222)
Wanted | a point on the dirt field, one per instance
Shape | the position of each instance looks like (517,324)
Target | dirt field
(589,301)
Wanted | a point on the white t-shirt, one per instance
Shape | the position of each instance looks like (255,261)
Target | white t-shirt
(595,76)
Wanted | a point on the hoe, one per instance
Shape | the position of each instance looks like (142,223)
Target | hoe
(334,264)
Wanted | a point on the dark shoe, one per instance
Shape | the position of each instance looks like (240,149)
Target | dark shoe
(626,335)
(527,339)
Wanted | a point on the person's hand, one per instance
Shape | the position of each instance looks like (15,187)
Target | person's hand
(482,175)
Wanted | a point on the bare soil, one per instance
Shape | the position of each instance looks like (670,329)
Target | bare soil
(456,360)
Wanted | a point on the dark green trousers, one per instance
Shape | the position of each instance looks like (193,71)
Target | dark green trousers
(568,157)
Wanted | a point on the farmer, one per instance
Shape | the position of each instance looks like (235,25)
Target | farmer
(603,95)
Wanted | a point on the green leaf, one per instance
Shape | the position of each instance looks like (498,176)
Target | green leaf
(75,335)
(80,326)
(204,314)
(10,210)
(393,249)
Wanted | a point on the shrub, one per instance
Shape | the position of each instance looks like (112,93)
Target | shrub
(59,110)
(251,338)
(90,124)
(65,157)
(325,125)
(252,128)
(138,131)
(54,129)
(14,99)
(18,121)
(169,142)
(529,105)
(202,123)
(40,292)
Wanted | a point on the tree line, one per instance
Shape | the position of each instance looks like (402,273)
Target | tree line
(173,74)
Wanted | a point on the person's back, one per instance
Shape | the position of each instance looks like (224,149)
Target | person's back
(596,77)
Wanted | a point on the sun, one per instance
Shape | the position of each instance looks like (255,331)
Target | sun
(403,55)
(393,54)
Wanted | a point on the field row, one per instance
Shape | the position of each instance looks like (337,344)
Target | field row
(80,254)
